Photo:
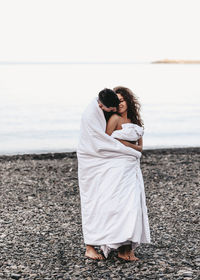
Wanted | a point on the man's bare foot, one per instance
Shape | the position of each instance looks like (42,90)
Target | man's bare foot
(92,253)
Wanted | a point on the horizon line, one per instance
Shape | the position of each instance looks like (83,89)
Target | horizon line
(74,62)
(163,61)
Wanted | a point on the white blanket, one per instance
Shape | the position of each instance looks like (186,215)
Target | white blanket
(129,132)
(113,205)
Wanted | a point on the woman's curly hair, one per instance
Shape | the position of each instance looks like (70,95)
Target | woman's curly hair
(133,110)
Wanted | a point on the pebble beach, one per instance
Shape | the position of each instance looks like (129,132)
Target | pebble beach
(40,219)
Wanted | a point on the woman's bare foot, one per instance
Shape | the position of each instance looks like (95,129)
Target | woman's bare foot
(123,256)
(132,256)
(123,253)
(126,253)
(92,253)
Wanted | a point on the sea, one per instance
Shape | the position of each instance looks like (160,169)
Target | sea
(41,103)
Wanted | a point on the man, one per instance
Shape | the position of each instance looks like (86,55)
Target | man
(108,102)
(108,175)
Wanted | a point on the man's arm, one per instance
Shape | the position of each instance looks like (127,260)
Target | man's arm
(137,147)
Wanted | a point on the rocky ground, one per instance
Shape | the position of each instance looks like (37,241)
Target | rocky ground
(40,221)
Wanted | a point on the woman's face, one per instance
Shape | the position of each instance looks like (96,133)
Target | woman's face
(123,105)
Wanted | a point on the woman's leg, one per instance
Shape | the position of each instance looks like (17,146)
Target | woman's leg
(122,253)
(131,254)
(92,253)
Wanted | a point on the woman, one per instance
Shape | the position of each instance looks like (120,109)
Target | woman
(128,112)
(126,126)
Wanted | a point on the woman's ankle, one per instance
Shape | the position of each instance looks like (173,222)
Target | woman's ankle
(89,246)
(122,249)
(128,248)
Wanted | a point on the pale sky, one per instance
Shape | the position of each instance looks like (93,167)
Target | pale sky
(98,30)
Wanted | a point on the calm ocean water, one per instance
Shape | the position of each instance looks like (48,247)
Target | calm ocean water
(41,104)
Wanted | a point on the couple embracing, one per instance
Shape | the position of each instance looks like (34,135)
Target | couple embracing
(113,203)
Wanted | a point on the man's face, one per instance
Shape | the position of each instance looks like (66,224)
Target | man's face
(106,109)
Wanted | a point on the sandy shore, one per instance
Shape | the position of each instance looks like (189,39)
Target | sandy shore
(40,221)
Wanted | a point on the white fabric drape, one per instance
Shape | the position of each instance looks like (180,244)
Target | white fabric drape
(129,132)
(113,204)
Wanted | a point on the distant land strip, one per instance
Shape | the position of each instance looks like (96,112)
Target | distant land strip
(177,61)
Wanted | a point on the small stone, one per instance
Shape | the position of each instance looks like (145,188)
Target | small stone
(15,276)
(13,267)
(33,275)
(197,262)
(185,273)
(185,262)
(151,262)
(3,235)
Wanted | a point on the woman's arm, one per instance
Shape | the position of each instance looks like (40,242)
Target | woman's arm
(137,147)
(112,124)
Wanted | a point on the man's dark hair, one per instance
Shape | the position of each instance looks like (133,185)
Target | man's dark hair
(108,98)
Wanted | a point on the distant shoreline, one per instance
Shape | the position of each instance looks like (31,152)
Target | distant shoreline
(61,155)
(176,61)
